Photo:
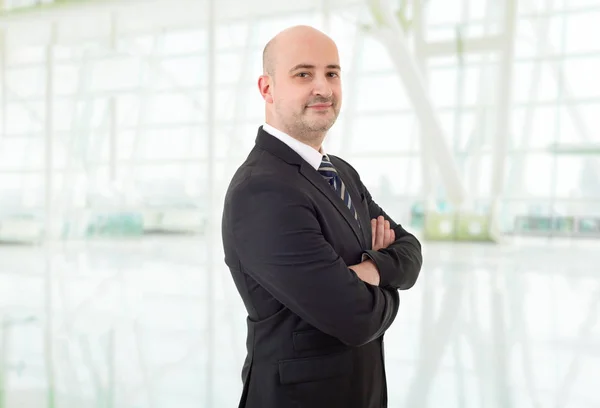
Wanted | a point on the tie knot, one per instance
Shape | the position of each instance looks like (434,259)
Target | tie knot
(326,167)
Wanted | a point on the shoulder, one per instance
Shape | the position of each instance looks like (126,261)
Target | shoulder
(260,189)
(261,170)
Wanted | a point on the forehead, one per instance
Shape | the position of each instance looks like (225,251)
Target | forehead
(319,52)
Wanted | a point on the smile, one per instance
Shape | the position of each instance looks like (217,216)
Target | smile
(320,106)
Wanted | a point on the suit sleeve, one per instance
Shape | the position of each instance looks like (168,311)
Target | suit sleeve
(280,245)
(400,263)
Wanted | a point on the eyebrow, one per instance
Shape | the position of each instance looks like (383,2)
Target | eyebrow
(309,66)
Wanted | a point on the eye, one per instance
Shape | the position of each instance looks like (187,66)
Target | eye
(303,74)
(333,74)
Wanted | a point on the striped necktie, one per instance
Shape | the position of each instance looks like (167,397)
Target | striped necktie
(330,174)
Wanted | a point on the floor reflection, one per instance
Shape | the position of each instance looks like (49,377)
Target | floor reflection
(126,324)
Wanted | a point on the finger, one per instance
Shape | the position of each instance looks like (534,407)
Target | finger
(392,235)
(387,234)
(379,241)
(373,232)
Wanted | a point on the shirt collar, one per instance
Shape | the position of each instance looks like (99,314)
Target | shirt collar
(308,153)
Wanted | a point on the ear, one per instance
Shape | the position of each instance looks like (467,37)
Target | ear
(264,86)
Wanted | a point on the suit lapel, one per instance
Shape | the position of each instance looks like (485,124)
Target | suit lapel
(283,151)
(321,184)
(363,215)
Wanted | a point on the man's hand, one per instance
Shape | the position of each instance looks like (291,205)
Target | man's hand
(367,272)
(382,234)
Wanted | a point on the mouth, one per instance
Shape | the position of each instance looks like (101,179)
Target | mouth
(320,106)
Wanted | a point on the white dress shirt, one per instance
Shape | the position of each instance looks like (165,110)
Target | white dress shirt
(308,153)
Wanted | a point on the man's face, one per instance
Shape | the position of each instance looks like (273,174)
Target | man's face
(307,87)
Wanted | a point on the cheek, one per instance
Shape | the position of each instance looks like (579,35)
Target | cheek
(292,98)
(294,103)
(337,91)
(285,106)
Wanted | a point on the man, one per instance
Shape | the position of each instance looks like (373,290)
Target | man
(317,263)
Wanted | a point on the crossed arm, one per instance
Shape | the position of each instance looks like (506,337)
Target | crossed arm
(300,269)
(395,259)
(382,236)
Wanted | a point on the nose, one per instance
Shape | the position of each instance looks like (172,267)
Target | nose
(322,87)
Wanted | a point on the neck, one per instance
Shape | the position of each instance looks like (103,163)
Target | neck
(312,139)
(314,143)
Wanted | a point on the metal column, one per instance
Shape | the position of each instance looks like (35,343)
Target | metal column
(503,126)
(392,36)
(48,220)
(211,235)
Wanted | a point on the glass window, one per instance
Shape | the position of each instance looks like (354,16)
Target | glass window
(534,127)
(389,133)
(26,117)
(175,107)
(582,76)
(580,29)
(534,81)
(114,74)
(183,41)
(26,82)
(169,73)
(375,93)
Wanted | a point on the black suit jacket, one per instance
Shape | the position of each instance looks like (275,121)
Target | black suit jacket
(315,330)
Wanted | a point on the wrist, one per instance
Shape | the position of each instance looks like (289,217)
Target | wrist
(372,272)
(369,263)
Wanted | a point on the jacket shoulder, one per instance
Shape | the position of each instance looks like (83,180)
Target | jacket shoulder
(338,162)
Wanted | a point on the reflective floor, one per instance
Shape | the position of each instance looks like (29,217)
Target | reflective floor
(141,323)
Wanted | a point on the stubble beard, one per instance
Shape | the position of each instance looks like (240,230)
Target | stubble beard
(311,130)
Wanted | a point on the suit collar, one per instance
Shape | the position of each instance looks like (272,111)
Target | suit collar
(308,153)
(278,148)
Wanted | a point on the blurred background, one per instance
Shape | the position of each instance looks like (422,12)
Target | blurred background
(474,123)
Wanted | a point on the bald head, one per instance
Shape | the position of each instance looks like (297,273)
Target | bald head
(286,40)
(268,56)
(301,83)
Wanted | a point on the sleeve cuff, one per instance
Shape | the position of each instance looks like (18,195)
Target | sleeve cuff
(384,279)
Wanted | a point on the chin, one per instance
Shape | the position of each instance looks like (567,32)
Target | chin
(321,127)
(319,124)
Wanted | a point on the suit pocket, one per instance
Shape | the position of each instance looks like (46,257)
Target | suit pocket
(318,382)
(315,368)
